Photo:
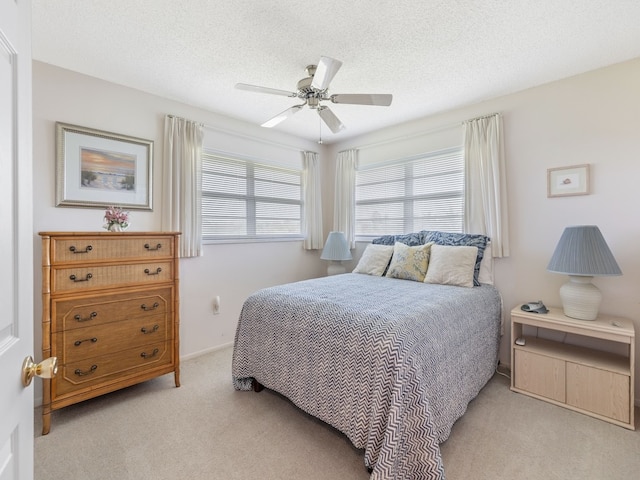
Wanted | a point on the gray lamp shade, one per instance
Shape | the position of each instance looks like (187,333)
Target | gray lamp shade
(336,247)
(582,250)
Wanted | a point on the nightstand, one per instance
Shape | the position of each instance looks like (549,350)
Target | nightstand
(591,381)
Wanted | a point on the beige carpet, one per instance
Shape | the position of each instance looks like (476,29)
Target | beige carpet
(206,430)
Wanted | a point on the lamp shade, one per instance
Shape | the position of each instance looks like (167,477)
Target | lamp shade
(582,250)
(336,247)
(582,254)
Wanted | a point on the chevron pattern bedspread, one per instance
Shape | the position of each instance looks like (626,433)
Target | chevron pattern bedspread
(390,363)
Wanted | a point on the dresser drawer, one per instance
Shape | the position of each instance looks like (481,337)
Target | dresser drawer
(90,249)
(70,279)
(83,343)
(76,376)
(96,310)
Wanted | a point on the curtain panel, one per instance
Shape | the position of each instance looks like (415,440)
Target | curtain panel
(344,209)
(182,175)
(485,182)
(312,218)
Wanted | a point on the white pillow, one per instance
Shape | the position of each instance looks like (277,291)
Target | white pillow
(451,265)
(374,260)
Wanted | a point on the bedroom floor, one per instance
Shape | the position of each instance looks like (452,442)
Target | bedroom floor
(206,430)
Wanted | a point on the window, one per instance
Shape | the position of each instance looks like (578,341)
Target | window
(425,192)
(244,199)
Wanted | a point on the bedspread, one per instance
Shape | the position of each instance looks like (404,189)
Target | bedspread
(390,363)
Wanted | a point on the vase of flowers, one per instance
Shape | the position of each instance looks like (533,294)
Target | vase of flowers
(115,219)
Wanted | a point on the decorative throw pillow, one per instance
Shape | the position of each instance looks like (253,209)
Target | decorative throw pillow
(451,265)
(411,239)
(374,260)
(460,239)
(409,263)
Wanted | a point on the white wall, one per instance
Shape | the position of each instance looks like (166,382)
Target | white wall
(232,271)
(592,118)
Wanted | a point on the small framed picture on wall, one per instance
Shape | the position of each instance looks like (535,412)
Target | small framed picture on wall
(567,181)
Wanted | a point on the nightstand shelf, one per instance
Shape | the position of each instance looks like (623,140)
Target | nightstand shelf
(591,381)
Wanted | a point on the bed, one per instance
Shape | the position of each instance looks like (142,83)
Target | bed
(390,363)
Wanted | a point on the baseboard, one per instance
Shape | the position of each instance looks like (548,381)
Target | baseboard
(205,351)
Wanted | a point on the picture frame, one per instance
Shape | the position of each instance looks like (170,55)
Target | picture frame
(99,169)
(568,181)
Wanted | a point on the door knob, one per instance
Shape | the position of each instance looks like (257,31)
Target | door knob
(45,369)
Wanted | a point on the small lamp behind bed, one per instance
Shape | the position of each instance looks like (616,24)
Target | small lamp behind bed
(336,249)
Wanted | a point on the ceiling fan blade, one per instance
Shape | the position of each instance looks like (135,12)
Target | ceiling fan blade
(257,89)
(334,124)
(325,71)
(383,100)
(281,117)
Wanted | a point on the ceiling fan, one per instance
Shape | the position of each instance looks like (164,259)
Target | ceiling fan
(314,89)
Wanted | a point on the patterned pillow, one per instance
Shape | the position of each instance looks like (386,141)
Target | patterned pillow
(460,239)
(374,260)
(411,239)
(450,265)
(409,262)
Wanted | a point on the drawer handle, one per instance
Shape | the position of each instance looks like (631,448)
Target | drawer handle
(153,330)
(91,316)
(150,248)
(77,343)
(149,272)
(85,279)
(153,307)
(80,373)
(87,249)
(152,354)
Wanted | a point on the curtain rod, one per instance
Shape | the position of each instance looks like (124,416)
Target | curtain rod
(424,132)
(248,137)
(407,137)
(255,139)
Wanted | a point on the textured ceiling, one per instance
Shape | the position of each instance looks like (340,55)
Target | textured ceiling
(432,55)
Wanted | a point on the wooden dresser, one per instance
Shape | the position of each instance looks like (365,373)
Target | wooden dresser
(109,312)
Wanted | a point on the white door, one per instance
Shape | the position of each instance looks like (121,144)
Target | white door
(16,240)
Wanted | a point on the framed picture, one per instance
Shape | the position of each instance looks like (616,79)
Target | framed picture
(565,181)
(99,169)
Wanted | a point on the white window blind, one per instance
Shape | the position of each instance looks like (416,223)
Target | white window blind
(244,199)
(424,192)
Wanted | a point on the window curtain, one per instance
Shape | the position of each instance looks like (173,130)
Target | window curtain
(485,182)
(182,194)
(345,195)
(312,218)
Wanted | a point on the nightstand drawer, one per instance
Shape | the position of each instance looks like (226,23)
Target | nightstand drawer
(600,391)
(539,374)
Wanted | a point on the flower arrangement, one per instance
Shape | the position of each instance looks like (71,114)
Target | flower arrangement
(116,219)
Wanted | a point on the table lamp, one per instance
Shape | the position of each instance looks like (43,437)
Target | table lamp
(582,254)
(336,249)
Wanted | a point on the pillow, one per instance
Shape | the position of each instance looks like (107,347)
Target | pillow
(451,265)
(486,266)
(374,260)
(411,239)
(460,239)
(409,263)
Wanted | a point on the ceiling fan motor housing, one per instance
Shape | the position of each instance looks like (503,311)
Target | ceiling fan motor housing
(307,92)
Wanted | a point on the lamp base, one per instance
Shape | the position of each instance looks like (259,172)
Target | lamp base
(580,298)
(335,268)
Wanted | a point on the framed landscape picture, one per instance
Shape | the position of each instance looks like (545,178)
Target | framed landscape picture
(99,169)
